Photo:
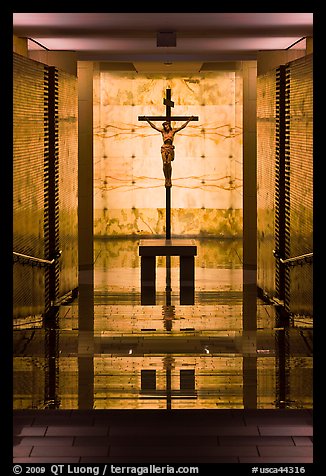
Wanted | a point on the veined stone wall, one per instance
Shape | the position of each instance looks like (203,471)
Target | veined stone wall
(129,195)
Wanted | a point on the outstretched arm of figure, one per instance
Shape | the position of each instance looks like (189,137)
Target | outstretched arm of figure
(177,129)
(153,125)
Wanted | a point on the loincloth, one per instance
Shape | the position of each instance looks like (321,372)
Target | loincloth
(167,151)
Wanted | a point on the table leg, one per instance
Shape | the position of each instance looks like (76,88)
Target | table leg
(187,279)
(148,278)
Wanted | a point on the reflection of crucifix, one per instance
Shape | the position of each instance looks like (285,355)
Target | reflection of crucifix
(167,149)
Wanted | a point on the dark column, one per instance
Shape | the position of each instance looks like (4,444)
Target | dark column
(51,354)
(249,376)
(168,389)
(282,367)
(249,73)
(281,198)
(168,310)
(167,363)
(85,196)
(85,236)
(51,193)
(168,288)
(249,296)
(168,213)
(86,381)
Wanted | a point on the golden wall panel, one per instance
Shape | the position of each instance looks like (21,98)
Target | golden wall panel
(266,163)
(68,181)
(129,196)
(225,223)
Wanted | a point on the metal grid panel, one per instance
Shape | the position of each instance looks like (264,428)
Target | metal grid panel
(29,144)
(281,182)
(300,155)
(51,194)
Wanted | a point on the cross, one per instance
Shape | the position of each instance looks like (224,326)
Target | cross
(168,103)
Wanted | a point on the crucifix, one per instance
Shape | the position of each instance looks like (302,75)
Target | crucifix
(167,149)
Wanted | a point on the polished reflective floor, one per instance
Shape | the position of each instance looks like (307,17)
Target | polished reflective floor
(107,350)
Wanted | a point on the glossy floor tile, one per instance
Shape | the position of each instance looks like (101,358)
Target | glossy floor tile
(226,379)
(106,350)
(161,437)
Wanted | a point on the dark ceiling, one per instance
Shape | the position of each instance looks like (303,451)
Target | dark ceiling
(164,37)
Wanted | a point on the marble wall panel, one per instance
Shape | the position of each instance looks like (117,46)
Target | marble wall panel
(207,170)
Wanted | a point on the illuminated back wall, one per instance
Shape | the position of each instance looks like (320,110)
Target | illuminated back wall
(129,191)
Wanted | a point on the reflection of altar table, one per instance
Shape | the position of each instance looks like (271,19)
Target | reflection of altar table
(149,249)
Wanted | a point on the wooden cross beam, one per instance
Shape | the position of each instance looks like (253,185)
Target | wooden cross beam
(168,105)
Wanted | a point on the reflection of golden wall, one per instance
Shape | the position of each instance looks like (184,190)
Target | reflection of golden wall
(68,382)
(211,253)
(129,195)
(28,388)
(117,382)
(218,382)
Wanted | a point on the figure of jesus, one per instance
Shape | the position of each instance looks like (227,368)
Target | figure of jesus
(167,149)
